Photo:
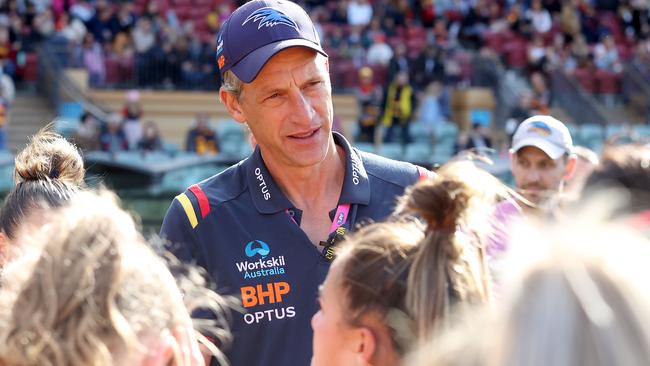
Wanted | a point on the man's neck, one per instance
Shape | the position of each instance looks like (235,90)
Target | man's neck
(317,185)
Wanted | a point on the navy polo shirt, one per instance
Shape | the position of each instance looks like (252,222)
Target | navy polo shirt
(241,228)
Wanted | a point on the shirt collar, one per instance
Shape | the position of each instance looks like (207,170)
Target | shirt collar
(268,197)
(356,186)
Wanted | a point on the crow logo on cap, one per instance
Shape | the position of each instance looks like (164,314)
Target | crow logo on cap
(270,17)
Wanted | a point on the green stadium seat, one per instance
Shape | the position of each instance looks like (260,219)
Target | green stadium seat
(365,146)
(66,126)
(445,130)
(228,129)
(592,136)
(392,150)
(418,152)
(642,131)
(612,130)
(420,132)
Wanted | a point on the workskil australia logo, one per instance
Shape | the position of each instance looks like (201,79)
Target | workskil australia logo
(260,263)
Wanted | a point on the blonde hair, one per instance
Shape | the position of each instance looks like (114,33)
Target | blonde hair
(47,173)
(89,291)
(413,278)
(579,296)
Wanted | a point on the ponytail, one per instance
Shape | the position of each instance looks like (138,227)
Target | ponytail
(47,173)
(449,267)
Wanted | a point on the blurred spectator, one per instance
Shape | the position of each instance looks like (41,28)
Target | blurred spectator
(427,67)
(125,17)
(92,59)
(103,25)
(541,100)
(83,10)
(398,108)
(475,23)
(523,109)
(71,29)
(112,138)
(198,67)
(478,138)
(44,24)
(144,40)
(518,24)
(359,12)
(371,32)
(131,115)
(396,13)
(399,62)
(122,53)
(340,14)
(369,96)
(434,106)
(569,20)
(355,51)
(590,24)
(581,52)
(202,139)
(150,140)
(87,135)
(6,52)
(606,55)
(380,52)
(537,55)
(539,17)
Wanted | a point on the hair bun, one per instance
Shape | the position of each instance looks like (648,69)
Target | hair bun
(49,156)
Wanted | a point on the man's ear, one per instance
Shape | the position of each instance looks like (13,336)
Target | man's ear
(232,105)
(570,167)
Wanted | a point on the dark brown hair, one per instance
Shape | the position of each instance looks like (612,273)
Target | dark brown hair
(47,173)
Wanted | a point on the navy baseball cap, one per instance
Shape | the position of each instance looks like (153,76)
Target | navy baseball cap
(258,30)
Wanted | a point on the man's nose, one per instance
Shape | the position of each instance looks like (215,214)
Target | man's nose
(532,175)
(302,110)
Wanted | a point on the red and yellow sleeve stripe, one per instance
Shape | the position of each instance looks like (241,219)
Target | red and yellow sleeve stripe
(204,204)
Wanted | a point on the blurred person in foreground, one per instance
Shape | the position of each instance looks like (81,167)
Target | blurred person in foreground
(625,172)
(265,228)
(392,284)
(575,295)
(586,161)
(47,173)
(89,291)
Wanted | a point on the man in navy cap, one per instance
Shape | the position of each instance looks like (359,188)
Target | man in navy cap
(265,228)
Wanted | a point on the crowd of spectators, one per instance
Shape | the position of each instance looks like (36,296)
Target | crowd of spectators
(171,44)
(129,131)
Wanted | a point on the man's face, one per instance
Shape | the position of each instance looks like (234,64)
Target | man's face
(537,176)
(288,108)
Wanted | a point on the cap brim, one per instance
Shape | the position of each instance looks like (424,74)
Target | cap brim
(249,67)
(550,149)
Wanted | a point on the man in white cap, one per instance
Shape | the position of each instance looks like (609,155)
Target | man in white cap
(541,160)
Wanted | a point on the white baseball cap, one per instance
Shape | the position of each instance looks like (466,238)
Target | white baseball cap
(545,133)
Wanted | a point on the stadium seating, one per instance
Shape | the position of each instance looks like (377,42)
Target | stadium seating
(365,146)
(392,150)
(419,152)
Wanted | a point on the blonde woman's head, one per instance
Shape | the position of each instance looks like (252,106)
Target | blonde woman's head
(577,295)
(89,291)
